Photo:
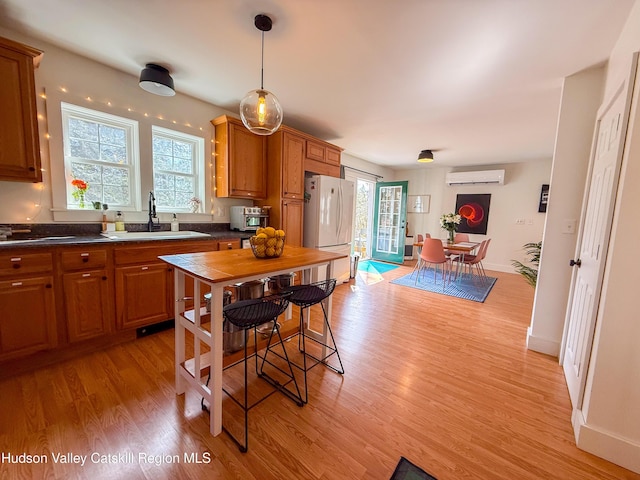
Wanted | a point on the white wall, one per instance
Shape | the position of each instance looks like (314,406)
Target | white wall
(518,198)
(608,423)
(581,98)
(82,78)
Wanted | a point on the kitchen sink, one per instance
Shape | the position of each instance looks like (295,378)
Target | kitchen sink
(153,235)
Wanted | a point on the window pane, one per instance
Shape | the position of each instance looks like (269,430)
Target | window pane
(163,181)
(115,176)
(184,184)
(83,129)
(162,145)
(112,154)
(182,150)
(84,149)
(116,195)
(183,199)
(162,162)
(112,135)
(183,165)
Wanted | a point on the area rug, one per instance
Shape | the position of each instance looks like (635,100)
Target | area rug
(408,471)
(375,267)
(466,286)
(371,271)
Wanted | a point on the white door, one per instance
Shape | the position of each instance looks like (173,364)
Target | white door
(611,127)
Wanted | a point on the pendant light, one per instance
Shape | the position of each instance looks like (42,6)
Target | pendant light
(260,110)
(156,79)
(426,156)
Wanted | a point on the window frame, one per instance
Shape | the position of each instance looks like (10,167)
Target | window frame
(132,144)
(198,165)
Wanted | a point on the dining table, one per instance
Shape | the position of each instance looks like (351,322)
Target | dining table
(459,248)
(215,270)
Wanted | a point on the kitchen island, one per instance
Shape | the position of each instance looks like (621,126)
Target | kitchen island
(217,270)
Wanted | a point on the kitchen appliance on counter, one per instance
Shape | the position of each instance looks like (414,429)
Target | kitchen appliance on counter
(248,219)
(328,219)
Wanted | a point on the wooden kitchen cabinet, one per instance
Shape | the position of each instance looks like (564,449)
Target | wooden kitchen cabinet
(143,295)
(292,221)
(27,304)
(20,152)
(144,284)
(241,160)
(87,293)
(322,158)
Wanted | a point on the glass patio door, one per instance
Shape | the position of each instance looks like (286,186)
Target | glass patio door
(389,221)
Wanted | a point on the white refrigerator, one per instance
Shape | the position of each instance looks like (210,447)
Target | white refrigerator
(328,219)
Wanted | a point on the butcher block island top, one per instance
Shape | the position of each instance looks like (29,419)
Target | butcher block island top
(215,270)
(230,266)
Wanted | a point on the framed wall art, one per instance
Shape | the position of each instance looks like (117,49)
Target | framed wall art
(544,198)
(474,210)
(418,203)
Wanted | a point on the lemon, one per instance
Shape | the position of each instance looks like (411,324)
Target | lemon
(271,242)
(270,252)
(280,233)
(262,235)
(279,243)
(270,231)
(259,230)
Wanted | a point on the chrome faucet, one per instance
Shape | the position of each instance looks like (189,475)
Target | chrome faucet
(151,225)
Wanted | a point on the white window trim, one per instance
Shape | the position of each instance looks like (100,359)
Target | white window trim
(133,146)
(198,164)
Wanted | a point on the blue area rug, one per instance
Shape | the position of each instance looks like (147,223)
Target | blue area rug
(466,286)
(371,266)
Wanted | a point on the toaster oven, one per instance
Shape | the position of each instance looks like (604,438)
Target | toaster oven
(248,219)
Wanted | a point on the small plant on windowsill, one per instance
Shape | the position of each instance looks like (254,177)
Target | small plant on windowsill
(79,189)
(529,272)
(194,204)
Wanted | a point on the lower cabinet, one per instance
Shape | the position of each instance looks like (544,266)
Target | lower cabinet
(27,321)
(292,224)
(87,304)
(143,295)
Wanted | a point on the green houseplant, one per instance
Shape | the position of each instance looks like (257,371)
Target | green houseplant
(529,272)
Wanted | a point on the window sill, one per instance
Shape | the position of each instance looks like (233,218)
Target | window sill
(92,215)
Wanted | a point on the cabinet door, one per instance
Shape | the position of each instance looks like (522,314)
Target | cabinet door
(293,167)
(87,305)
(143,295)
(27,321)
(292,211)
(247,163)
(20,152)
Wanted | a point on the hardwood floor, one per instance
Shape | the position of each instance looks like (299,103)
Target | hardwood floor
(447,383)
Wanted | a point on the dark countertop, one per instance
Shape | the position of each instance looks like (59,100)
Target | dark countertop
(42,237)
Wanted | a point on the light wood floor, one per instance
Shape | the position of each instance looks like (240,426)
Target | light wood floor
(447,383)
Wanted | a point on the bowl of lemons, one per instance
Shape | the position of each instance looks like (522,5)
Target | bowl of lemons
(267,243)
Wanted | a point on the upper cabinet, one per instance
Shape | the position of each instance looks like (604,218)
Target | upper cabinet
(322,158)
(241,160)
(20,151)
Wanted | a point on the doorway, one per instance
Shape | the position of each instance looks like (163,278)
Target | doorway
(363,220)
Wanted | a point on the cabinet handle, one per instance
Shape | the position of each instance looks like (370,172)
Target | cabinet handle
(104,277)
(48,285)
(169,269)
(229,246)
(85,259)
(16,265)
(32,169)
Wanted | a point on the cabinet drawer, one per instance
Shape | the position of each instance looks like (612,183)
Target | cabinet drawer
(87,258)
(333,156)
(315,151)
(228,243)
(131,255)
(20,264)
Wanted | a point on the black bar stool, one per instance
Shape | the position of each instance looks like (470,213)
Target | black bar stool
(305,296)
(247,315)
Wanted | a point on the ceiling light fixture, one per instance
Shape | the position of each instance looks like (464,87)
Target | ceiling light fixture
(426,156)
(156,79)
(260,110)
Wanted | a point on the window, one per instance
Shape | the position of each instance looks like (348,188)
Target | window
(178,159)
(102,150)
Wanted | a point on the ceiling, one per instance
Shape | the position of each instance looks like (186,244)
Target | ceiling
(477,81)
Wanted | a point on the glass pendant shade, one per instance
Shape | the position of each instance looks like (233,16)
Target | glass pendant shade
(261,112)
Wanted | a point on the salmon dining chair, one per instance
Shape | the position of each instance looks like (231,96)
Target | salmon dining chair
(471,261)
(461,237)
(433,254)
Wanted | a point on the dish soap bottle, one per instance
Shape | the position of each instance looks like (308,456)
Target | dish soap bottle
(175,225)
(119,222)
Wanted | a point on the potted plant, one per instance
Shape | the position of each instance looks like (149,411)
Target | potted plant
(529,272)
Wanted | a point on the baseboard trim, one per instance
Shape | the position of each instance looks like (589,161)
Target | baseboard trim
(542,345)
(603,444)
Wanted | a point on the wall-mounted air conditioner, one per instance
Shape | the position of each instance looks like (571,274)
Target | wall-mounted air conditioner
(495,177)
